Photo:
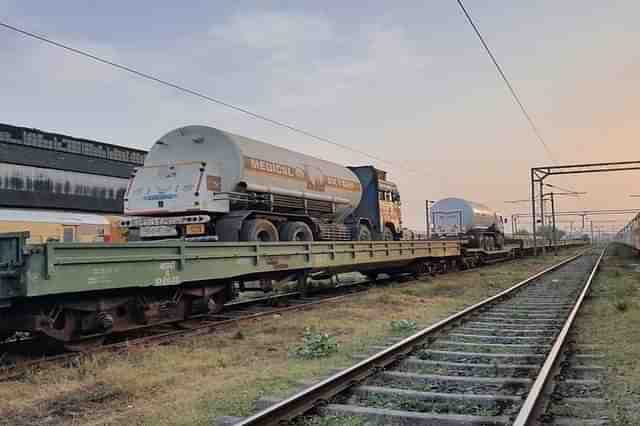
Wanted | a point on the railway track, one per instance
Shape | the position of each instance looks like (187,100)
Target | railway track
(490,364)
(576,397)
(19,357)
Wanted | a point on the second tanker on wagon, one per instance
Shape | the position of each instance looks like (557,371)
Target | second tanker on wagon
(202,182)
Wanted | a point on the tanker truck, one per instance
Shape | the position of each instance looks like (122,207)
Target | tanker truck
(477,224)
(199,182)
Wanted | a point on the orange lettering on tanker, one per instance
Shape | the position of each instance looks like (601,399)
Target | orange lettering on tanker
(275,169)
(316,180)
(313,176)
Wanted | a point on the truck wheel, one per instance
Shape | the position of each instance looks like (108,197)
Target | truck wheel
(259,230)
(296,231)
(387,234)
(364,233)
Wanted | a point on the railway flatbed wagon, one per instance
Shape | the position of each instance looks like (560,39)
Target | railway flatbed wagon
(75,291)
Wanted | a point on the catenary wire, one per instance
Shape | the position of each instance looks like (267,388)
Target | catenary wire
(201,95)
(507,82)
(512,90)
(560,188)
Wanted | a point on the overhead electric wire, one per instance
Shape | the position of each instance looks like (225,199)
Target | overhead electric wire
(562,189)
(199,94)
(507,82)
(514,94)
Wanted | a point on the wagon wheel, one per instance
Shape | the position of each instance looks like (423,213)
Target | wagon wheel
(215,304)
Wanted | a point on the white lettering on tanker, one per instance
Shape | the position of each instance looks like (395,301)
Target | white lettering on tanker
(160,196)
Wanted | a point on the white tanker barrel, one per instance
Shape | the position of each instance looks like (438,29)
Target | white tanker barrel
(196,168)
(453,216)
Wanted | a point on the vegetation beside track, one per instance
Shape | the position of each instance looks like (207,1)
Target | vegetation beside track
(194,381)
(611,319)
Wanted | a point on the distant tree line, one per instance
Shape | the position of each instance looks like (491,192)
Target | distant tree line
(545,231)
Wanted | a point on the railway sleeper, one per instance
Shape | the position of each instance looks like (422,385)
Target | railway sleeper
(527,314)
(380,416)
(584,372)
(491,347)
(578,408)
(428,401)
(457,384)
(507,332)
(568,421)
(585,387)
(523,326)
(481,357)
(420,366)
(485,338)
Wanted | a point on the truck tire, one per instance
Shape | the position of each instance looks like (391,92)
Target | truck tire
(387,234)
(364,233)
(259,230)
(295,231)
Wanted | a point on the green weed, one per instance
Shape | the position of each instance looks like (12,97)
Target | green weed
(404,326)
(316,345)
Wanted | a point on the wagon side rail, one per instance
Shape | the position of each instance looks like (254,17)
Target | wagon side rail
(57,267)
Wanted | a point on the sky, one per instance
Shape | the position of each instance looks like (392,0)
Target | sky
(405,81)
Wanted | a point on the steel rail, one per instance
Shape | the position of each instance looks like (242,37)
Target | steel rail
(534,403)
(307,399)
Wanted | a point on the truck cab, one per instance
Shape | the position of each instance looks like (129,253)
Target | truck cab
(380,203)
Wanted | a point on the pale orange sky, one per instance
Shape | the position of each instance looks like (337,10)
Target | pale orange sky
(409,83)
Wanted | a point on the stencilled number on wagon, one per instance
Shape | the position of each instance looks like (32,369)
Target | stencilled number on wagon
(167,280)
(169,276)
(102,275)
(168,266)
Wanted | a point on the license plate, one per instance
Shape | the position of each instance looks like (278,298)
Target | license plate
(195,229)
(158,231)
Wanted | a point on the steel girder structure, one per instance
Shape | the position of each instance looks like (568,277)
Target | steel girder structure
(539,174)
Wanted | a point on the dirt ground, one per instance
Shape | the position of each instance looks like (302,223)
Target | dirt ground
(194,381)
(611,319)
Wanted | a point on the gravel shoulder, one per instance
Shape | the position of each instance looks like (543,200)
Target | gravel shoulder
(611,320)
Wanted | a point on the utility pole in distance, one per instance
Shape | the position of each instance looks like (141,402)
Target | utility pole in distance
(553,221)
(426,204)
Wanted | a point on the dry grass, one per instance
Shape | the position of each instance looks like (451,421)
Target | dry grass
(192,382)
(611,318)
